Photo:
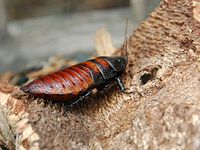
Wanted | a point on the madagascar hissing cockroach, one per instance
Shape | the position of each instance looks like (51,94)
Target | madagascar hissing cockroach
(76,82)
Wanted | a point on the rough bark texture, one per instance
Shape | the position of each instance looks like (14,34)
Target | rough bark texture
(163,111)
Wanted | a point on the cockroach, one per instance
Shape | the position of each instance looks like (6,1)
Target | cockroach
(76,82)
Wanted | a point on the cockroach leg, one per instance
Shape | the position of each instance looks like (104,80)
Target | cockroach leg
(81,98)
(122,87)
(103,87)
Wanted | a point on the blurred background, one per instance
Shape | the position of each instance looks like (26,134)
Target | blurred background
(32,31)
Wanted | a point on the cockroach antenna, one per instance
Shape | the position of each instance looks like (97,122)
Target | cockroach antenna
(125,40)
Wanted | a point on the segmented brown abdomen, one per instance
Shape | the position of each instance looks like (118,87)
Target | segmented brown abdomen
(67,83)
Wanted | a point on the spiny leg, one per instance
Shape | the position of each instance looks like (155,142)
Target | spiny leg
(103,87)
(121,86)
(80,98)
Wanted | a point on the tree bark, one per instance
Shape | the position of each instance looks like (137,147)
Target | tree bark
(163,112)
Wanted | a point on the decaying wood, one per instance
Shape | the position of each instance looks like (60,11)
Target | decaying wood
(162,112)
